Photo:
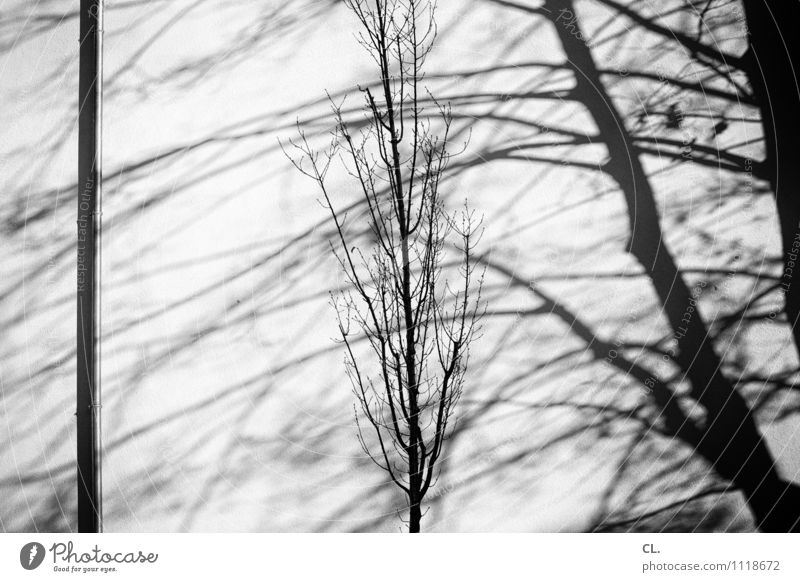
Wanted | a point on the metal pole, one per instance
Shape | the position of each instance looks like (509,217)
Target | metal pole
(90,499)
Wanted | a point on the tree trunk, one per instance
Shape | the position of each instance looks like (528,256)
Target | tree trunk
(414,514)
(773,38)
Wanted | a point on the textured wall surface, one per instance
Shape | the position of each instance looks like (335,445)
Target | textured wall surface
(226,406)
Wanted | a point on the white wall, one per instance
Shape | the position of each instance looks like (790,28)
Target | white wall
(226,406)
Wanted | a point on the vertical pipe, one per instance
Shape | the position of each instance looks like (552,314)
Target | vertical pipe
(90,507)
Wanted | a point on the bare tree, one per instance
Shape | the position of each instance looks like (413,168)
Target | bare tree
(418,323)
